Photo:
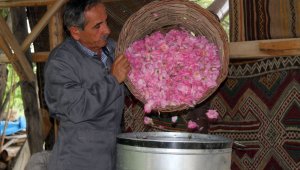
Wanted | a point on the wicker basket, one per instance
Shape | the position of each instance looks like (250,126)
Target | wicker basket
(164,15)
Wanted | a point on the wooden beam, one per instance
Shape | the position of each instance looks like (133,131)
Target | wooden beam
(5,48)
(9,38)
(238,50)
(3,58)
(264,48)
(40,57)
(56,31)
(42,23)
(289,44)
(19,3)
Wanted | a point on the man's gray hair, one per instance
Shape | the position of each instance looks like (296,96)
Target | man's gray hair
(73,13)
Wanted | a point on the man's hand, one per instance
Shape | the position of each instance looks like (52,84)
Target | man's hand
(120,68)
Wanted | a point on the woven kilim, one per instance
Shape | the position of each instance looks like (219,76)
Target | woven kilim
(259,103)
(259,106)
(264,19)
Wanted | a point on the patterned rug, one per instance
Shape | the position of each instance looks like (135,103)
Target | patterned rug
(260,102)
(259,106)
(264,19)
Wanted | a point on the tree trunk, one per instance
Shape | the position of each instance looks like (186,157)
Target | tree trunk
(3,80)
(28,89)
(42,44)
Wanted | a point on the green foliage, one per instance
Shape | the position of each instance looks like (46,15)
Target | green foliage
(225,24)
(4,12)
(16,102)
(203,3)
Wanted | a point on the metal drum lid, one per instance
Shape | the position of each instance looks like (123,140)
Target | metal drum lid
(174,140)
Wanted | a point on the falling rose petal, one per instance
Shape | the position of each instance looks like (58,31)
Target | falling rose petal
(212,114)
(148,120)
(174,119)
(148,107)
(192,125)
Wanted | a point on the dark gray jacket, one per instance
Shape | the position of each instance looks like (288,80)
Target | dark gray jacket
(88,102)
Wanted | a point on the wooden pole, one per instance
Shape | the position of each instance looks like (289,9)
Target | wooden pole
(42,23)
(55,29)
(5,47)
(238,50)
(9,38)
(3,59)
(23,157)
(10,152)
(55,38)
(19,3)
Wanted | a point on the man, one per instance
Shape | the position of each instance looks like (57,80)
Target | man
(83,90)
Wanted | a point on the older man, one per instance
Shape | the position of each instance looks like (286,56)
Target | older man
(84,91)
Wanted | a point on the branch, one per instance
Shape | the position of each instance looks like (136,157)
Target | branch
(6,100)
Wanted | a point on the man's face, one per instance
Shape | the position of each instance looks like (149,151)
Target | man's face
(95,33)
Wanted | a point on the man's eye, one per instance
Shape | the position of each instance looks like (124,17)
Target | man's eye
(97,26)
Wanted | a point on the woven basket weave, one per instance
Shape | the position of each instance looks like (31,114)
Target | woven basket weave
(164,15)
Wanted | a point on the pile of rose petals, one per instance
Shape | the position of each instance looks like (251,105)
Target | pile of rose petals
(173,69)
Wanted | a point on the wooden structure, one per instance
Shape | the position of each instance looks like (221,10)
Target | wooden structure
(255,49)
(9,43)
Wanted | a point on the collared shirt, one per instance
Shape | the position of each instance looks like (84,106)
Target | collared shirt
(91,53)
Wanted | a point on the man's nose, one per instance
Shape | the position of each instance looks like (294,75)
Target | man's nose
(107,29)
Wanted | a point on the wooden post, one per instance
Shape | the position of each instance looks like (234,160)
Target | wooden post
(42,23)
(10,152)
(18,3)
(55,38)
(56,29)
(11,41)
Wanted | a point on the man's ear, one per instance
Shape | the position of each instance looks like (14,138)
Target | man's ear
(75,32)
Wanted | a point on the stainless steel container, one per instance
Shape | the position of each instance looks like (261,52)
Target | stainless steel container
(173,151)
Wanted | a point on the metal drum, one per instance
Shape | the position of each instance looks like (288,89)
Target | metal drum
(173,151)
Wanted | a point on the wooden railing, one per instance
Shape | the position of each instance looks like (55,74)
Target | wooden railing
(14,52)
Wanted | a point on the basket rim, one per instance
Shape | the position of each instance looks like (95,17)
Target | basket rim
(223,51)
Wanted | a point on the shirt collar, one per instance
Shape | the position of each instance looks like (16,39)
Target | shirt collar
(89,52)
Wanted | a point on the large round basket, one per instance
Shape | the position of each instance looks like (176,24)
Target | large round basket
(164,15)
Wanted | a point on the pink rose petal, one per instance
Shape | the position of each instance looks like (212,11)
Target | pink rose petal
(212,114)
(172,69)
(192,125)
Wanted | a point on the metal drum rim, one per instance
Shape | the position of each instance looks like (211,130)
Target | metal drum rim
(189,140)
